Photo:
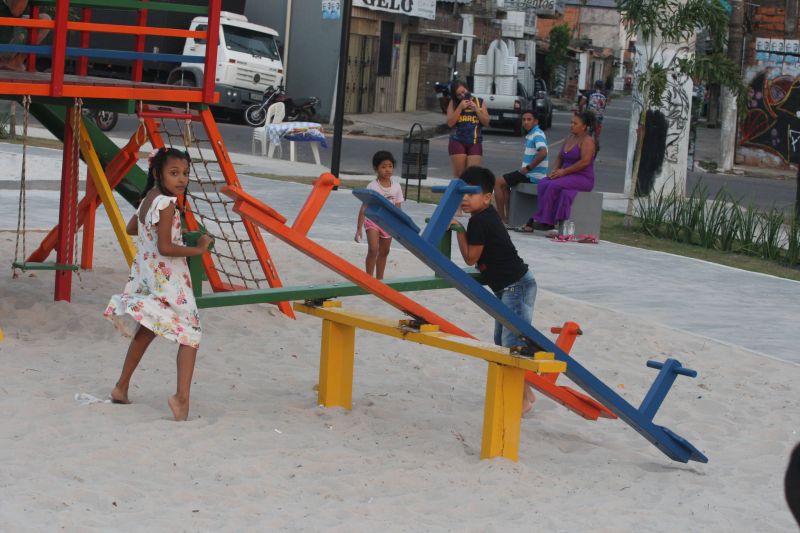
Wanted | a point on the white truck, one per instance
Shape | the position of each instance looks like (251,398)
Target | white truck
(505,84)
(248,61)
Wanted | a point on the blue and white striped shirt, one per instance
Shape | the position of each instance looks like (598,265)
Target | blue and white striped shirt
(534,141)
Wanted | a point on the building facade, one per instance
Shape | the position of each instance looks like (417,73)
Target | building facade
(769,134)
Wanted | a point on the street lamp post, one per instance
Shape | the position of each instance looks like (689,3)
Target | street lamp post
(341,81)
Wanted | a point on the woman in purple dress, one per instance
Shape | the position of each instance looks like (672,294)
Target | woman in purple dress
(574,172)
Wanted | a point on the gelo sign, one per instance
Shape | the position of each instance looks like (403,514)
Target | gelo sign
(412,8)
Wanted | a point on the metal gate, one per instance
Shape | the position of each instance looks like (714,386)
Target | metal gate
(362,58)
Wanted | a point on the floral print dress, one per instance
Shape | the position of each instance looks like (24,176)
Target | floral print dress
(158,294)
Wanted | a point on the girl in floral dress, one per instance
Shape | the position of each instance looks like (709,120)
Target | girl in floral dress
(158,295)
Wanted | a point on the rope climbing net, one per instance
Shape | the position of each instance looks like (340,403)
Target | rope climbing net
(233,255)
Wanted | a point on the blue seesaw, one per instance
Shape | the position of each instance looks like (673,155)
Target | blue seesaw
(424,246)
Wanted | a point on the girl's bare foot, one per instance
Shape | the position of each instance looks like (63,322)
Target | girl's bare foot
(528,399)
(119,396)
(180,409)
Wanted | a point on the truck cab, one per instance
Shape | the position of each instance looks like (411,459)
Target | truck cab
(248,61)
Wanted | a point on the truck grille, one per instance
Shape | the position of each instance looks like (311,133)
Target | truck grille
(245,76)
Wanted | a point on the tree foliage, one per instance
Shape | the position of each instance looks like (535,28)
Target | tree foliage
(560,36)
(666,29)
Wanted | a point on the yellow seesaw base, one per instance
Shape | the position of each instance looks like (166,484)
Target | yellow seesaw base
(504,383)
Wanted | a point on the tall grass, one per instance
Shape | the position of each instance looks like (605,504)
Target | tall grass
(721,223)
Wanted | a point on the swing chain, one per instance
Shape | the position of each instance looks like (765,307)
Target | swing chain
(77,117)
(21,211)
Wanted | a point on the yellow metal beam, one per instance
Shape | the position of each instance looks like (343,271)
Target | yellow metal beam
(100,181)
(542,361)
(502,412)
(336,365)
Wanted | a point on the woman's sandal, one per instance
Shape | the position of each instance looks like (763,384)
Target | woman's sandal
(524,229)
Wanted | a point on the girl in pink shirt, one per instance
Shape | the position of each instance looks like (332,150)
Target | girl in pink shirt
(378,240)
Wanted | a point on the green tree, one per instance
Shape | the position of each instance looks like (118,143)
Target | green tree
(560,36)
(665,29)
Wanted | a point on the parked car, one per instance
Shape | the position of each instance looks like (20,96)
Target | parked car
(505,112)
(542,104)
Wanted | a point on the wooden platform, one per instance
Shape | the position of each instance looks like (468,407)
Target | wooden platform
(94,87)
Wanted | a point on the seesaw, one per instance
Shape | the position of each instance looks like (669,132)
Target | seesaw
(423,245)
(504,381)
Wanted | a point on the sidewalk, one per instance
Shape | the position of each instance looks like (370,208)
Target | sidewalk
(395,125)
(707,149)
(750,310)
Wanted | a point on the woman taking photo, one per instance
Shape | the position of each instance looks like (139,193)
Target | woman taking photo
(466,116)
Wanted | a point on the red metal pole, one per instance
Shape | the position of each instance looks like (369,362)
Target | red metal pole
(59,56)
(67,212)
(33,36)
(138,65)
(83,62)
(210,71)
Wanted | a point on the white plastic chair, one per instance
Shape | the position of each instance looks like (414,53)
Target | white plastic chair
(275,114)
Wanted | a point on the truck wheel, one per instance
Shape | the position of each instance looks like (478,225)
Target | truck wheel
(106,120)
(184,82)
(518,128)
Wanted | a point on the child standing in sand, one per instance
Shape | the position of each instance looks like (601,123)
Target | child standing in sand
(487,244)
(158,294)
(378,241)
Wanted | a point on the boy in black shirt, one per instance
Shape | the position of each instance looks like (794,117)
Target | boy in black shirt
(487,244)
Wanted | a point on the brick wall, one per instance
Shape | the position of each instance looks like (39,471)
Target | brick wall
(543,26)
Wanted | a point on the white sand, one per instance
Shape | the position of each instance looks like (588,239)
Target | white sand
(259,454)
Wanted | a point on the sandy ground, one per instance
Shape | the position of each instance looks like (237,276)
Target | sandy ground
(259,454)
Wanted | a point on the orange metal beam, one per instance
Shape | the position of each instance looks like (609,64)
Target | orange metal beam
(133,30)
(78,90)
(261,214)
(575,401)
(87,242)
(319,194)
(94,27)
(27,23)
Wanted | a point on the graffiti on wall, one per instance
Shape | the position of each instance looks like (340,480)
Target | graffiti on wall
(667,126)
(677,105)
(771,123)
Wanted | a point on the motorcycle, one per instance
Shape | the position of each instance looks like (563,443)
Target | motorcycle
(443,94)
(105,120)
(297,110)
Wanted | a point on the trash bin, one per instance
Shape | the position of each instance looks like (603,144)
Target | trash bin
(415,158)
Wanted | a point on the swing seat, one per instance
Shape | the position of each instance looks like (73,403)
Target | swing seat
(47,265)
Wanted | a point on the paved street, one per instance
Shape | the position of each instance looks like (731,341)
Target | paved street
(502,152)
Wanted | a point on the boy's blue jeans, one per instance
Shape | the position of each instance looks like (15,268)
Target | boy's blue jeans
(519,297)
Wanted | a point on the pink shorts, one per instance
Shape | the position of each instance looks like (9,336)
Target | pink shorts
(370,225)
(458,148)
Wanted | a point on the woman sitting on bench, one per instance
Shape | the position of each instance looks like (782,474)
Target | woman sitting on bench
(574,173)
